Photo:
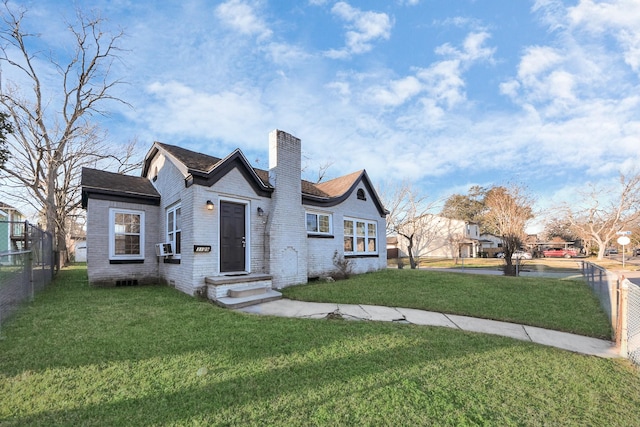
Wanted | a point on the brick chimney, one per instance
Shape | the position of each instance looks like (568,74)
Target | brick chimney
(287,231)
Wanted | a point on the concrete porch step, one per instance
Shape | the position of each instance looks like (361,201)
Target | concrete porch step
(247,300)
(247,290)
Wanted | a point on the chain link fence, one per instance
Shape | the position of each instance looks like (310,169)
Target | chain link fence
(26,264)
(620,299)
(631,324)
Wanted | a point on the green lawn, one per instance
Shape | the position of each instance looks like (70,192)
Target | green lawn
(151,356)
(564,305)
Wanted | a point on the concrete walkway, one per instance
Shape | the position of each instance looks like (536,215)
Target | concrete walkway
(314,310)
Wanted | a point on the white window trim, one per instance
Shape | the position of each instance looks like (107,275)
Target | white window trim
(317,214)
(366,228)
(112,234)
(173,209)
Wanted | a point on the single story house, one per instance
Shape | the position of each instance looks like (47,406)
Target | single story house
(218,226)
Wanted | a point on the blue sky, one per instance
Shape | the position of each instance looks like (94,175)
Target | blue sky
(444,94)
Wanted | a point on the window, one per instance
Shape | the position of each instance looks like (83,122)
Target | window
(126,234)
(318,223)
(174,229)
(361,195)
(360,237)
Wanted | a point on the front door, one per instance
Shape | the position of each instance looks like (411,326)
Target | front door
(232,237)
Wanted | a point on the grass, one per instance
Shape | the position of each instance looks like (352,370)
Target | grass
(564,305)
(151,356)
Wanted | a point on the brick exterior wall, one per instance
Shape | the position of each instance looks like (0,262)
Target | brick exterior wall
(100,271)
(321,250)
(286,226)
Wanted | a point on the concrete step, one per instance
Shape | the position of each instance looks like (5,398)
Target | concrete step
(247,291)
(239,302)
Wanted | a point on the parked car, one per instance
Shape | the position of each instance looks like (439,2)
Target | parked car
(499,255)
(636,252)
(521,255)
(611,251)
(559,253)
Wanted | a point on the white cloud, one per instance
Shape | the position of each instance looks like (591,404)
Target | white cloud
(363,29)
(241,17)
(620,18)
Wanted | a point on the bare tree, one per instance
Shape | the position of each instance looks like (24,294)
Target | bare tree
(508,209)
(53,134)
(407,212)
(603,211)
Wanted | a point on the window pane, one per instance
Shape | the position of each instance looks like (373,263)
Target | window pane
(176,248)
(312,223)
(178,225)
(360,228)
(170,221)
(324,223)
(372,229)
(348,228)
(372,245)
(348,244)
(360,244)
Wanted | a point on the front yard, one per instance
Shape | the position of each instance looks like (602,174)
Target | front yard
(563,305)
(152,356)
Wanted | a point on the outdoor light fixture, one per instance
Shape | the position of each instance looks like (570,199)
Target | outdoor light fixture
(209,205)
(260,211)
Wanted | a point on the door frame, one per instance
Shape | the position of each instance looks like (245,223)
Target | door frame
(247,231)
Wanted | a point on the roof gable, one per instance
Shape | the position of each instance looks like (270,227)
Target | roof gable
(206,170)
(339,189)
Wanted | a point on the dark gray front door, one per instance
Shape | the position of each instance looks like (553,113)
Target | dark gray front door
(232,237)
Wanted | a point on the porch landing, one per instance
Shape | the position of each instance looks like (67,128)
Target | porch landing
(241,290)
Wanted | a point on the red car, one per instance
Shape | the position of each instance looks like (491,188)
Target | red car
(559,253)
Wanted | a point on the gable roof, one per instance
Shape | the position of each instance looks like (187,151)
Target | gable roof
(105,185)
(206,170)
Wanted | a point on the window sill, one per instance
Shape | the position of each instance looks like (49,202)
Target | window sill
(362,256)
(126,261)
(171,261)
(319,236)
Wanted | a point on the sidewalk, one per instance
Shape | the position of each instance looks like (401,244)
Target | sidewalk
(314,310)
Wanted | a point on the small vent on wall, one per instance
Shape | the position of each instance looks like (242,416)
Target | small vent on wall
(127,282)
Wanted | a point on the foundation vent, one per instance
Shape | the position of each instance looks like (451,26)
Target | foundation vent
(127,282)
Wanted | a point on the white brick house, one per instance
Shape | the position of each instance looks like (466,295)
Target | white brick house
(228,225)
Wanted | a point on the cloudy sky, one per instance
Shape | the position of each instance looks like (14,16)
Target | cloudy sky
(444,94)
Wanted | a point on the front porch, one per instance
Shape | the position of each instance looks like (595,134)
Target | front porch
(236,291)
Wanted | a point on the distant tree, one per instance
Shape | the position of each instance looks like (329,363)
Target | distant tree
(466,207)
(603,211)
(5,129)
(561,228)
(508,209)
(407,209)
(51,109)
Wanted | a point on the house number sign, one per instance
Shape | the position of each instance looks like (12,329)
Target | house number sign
(201,248)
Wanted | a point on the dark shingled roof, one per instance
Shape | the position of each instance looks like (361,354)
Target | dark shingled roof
(191,159)
(204,163)
(206,170)
(102,183)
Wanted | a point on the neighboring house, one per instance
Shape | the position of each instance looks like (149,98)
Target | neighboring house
(437,236)
(490,244)
(201,223)
(11,228)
